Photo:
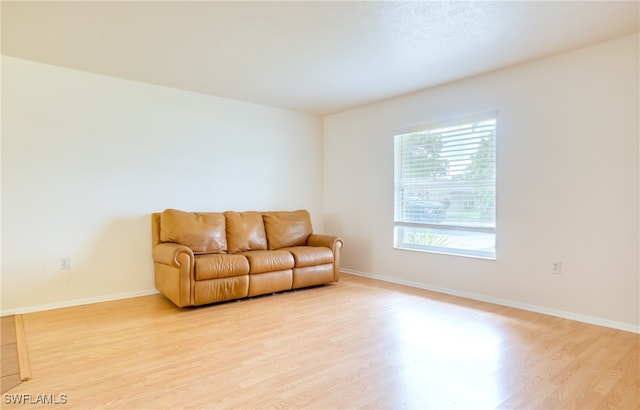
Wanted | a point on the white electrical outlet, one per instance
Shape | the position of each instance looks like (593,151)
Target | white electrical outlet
(557,268)
(65,263)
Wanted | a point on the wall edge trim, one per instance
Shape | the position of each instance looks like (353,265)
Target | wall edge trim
(78,302)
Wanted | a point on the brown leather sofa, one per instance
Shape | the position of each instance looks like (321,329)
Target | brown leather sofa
(206,257)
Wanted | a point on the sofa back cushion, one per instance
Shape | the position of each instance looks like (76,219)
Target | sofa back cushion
(245,231)
(286,229)
(203,232)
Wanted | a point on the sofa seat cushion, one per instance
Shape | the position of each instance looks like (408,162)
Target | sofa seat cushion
(213,266)
(310,255)
(268,261)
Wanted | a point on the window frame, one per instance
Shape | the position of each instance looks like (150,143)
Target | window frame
(401,225)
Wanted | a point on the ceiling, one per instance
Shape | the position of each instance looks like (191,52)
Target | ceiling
(316,57)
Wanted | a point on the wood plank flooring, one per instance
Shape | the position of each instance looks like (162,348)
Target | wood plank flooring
(9,368)
(359,343)
(23,353)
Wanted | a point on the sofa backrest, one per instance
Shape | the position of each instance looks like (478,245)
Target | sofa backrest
(203,232)
(231,232)
(245,231)
(285,229)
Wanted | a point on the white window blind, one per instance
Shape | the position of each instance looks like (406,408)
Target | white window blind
(445,188)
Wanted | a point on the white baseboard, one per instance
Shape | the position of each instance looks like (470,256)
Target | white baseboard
(468,295)
(78,302)
(627,327)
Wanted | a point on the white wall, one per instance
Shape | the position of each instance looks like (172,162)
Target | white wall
(86,159)
(567,180)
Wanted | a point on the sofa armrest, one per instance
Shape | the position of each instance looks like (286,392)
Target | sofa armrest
(332,242)
(173,254)
(173,272)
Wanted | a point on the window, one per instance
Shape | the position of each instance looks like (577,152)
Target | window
(445,188)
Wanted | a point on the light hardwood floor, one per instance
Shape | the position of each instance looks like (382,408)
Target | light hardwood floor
(359,343)
(9,368)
